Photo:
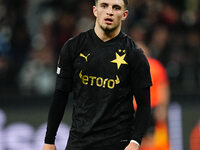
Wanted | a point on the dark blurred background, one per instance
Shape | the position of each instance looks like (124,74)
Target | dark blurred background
(32,33)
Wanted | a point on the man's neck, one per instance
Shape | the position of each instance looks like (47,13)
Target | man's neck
(106,36)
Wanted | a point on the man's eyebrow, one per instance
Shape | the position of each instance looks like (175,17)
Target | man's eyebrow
(103,3)
(114,6)
(117,6)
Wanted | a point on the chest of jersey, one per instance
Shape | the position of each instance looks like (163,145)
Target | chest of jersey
(102,66)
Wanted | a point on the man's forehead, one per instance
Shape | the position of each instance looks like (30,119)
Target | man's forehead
(112,2)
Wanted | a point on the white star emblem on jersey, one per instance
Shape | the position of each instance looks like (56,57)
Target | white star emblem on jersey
(119,60)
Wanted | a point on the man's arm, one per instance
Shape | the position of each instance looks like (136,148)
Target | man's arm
(142,96)
(62,90)
(55,115)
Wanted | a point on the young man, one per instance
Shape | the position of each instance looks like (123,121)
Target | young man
(104,69)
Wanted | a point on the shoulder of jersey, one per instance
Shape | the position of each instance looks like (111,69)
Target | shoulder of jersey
(77,42)
(80,37)
(130,42)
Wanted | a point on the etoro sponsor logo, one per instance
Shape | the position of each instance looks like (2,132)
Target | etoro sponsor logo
(99,81)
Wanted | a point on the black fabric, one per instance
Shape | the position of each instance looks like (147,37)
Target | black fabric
(55,115)
(142,96)
(139,76)
(121,145)
(64,84)
(103,77)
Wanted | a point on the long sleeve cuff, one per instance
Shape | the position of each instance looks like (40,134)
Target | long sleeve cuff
(133,141)
(49,140)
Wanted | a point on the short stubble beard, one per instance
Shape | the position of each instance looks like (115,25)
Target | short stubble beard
(109,30)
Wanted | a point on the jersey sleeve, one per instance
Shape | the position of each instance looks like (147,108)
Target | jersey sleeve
(60,98)
(55,115)
(140,84)
(142,115)
(140,70)
(65,68)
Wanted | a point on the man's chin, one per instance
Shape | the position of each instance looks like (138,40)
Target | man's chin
(108,28)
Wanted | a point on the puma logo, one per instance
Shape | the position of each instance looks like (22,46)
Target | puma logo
(86,57)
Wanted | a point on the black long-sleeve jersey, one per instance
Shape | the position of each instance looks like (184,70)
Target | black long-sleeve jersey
(103,76)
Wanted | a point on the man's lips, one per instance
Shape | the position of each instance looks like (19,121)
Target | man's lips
(108,20)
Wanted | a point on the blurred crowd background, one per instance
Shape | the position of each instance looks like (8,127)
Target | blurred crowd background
(32,33)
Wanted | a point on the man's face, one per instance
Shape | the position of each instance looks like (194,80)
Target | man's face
(109,14)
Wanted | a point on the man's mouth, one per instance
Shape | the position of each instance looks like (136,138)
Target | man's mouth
(108,21)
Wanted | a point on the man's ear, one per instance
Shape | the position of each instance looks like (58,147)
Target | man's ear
(125,14)
(95,11)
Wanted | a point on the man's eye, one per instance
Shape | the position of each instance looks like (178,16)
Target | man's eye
(103,6)
(117,8)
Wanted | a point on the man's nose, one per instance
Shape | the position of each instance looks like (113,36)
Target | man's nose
(109,11)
